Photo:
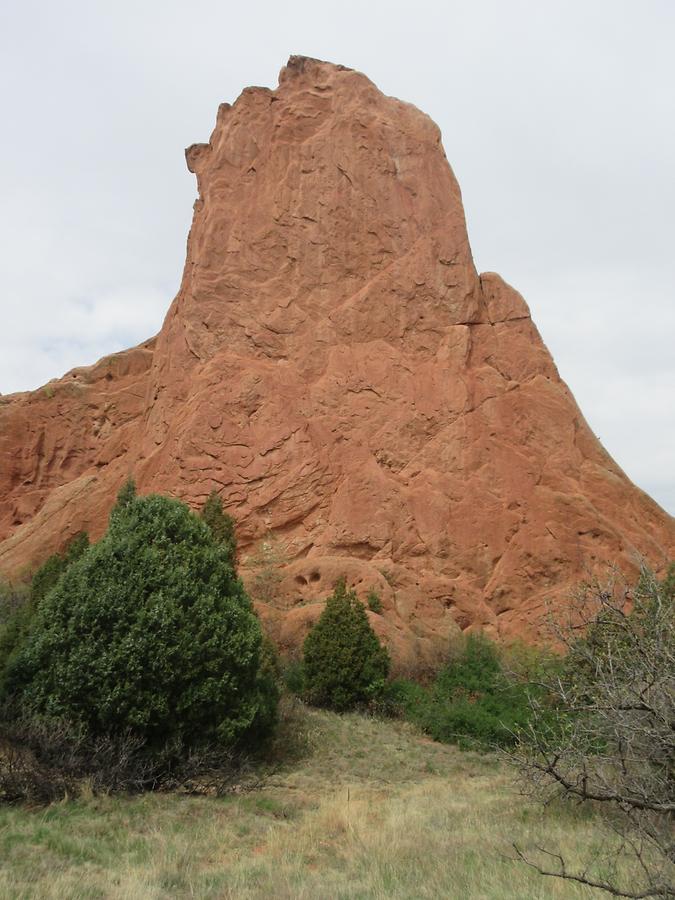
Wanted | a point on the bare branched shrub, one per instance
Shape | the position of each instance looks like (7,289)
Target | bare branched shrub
(265,565)
(294,736)
(42,761)
(13,596)
(611,742)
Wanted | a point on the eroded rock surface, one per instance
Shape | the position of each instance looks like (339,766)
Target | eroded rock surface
(336,368)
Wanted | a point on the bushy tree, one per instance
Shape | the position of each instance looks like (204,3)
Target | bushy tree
(46,577)
(222,526)
(24,599)
(344,663)
(148,633)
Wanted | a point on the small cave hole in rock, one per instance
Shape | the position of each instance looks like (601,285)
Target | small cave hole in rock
(315,576)
(300,579)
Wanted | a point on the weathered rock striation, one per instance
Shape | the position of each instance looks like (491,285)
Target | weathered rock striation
(336,368)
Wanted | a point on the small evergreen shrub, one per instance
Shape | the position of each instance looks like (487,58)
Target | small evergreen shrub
(374,602)
(222,526)
(126,494)
(148,633)
(402,698)
(473,702)
(344,663)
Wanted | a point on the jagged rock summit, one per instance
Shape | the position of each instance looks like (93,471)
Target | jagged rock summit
(336,368)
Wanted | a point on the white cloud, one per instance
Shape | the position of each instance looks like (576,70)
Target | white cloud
(84,331)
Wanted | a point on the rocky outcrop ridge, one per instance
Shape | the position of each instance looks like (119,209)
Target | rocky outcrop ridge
(336,368)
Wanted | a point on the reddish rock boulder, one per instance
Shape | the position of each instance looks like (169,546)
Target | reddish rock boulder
(336,368)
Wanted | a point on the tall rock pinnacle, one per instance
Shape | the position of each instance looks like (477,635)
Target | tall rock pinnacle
(336,368)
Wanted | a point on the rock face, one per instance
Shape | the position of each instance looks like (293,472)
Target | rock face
(336,368)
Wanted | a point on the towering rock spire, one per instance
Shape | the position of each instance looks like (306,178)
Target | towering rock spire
(336,368)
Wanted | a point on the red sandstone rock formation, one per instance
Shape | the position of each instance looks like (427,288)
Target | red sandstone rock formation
(335,367)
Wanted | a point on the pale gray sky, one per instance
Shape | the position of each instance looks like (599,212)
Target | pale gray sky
(557,117)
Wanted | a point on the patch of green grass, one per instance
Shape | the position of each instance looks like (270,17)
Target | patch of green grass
(374,811)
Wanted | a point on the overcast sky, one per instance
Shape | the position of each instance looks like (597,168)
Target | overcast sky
(557,117)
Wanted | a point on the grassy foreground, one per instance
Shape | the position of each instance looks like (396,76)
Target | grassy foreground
(373,810)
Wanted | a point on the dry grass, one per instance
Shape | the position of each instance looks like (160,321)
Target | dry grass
(374,811)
